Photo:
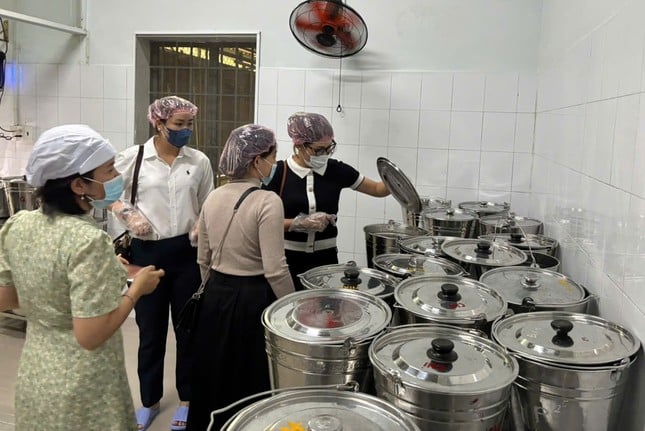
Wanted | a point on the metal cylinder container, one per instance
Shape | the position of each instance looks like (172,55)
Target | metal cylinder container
(478,255)
(382,238)
(451,222)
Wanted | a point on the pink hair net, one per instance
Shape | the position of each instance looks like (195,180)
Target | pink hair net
(164,108)
(242,146)
(308,127)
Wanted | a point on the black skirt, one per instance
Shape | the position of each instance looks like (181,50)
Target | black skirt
(229,349)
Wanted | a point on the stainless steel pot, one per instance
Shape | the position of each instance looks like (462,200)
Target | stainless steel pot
(485,208)
(527,243)
(478,256)
(445,378)
(4,201)
(574,369)
(428,203)
(541,260)
(449,300)
(20,195)
(321,337)
(403,265)
(321,410)
(536,289)
(451,222)
(509,223)
(425,245)
(382,238)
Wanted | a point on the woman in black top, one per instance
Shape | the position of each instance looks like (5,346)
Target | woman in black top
(309,184)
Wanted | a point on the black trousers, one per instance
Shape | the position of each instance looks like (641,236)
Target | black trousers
(300,262)
(182,278)
(229,348)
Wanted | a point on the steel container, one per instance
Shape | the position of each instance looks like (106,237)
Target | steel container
(478,255)
(451,222)
(509,223)
(322,336)
(414,217)
(20,195)
(382,238)
(445,378)
(485,208)
(425,245)
(527,243)
(574,369)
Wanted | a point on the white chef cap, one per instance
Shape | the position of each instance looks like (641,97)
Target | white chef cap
(67,150)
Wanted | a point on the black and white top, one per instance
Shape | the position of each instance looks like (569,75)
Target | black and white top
(306,191)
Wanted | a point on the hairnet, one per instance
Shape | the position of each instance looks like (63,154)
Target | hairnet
(67,150)
(242,145)
(308,127)
(164,108)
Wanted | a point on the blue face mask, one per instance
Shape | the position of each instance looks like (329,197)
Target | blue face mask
(113,190)
(179,138)
(266,180)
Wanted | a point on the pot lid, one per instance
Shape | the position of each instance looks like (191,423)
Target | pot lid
(414,264)
(349,276)
(429,245)
(523,242)
(449,299)
(482,252)
(565,338)
(442,359)
(431,202)
(327,316)
(398,184)
(509,220)
(392,229)
(449,214)
(519,285)
(322,410)
(483,208)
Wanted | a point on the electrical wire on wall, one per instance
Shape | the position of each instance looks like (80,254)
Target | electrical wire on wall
(10,134)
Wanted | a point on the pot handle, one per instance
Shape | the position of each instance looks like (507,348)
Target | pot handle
(349,386)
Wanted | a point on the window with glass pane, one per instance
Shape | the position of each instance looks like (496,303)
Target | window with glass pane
(218,76)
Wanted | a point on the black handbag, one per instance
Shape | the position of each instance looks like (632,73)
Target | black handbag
(189,314)
(123,242)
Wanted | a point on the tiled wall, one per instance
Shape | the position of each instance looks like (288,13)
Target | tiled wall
(464,136)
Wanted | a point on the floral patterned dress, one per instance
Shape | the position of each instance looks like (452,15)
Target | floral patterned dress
(64,267)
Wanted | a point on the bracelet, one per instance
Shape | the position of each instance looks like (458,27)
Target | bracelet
(130,298)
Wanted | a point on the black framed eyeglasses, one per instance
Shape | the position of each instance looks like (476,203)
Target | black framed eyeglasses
(322,151)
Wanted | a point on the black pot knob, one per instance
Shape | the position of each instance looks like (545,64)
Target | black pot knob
(442,351)
(449,292)
(516,238)
(483,249)
(562,328)
(351,278)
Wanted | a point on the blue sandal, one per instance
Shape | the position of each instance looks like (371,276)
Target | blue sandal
(145,416)
(181,415)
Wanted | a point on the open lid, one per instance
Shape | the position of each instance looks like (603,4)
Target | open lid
(398,184)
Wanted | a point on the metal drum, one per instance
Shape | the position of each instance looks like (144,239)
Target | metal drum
(428,203)
(450,300)
(478,255)
(321,410)
(425,245)
(536,289)
(451,222)
(527,243)
(382,238)
(20,195)
(321,337)
(403,265)
(509,223)
(445,378)
(574,369)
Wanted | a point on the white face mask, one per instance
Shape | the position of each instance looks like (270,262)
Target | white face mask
(318,163)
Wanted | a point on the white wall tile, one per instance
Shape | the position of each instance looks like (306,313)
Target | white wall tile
(374,127)
(291,87)
(375,93)
(319,86)
(118,140)
(498,133)
(347,126)
(367,157)
(347,203)
(463,169)
(527,92)
(432,167)
(267,86)
(436,91)
(69,80)
(468,92)
(92,113)
(115,82)
(283,113)
(369,206)
(496,171)
(622,160)
(405,159)
(465,130)
(47,116)
(345,243)
(501,92)
(349,154)
(434,129)
(27,79)
(69,110)
(350,91)
(114,113)
(406,90)
(638,175)
(91,81)
(458,195)
(267,116)
(522,164)
(521,203)
(404,128)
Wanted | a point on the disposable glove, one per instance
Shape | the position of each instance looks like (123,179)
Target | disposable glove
(316,222)
(134,221)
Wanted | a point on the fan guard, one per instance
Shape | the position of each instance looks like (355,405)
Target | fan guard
(328,27)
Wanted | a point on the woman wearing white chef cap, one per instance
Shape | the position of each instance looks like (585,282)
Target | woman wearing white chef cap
(59,267)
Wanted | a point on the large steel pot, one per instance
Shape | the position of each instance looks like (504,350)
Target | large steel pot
(528,243)
(451,222)
(321,410)
(541,260)
(485,208)
(509,223)
(404,265)
(20,195)
(4,201)
(536,289)
(321,337)
(382,238)
(445,378)
(449,300)
(428,203)
(574,369)
(478,256)
(425,245)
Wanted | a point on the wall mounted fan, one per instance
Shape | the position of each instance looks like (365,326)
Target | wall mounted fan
(328,27)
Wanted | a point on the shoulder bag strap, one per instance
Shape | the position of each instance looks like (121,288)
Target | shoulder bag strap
(135,176)
(284,177)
